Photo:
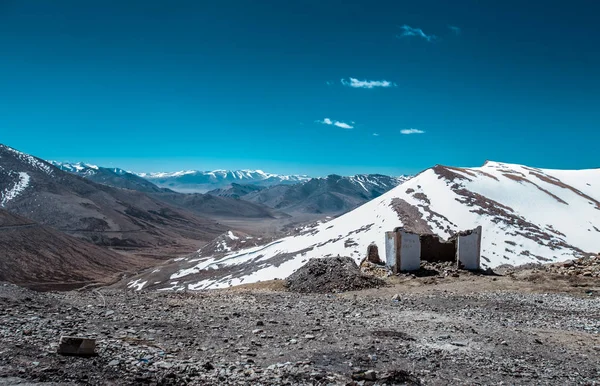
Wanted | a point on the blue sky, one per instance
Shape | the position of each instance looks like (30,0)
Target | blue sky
(302,86)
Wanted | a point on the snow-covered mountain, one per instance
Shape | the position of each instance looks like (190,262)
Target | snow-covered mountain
(76,168)
(194,181)
(116,177)
(527,214)
(200,204)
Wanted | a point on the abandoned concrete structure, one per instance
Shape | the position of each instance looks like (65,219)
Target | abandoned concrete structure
(404,250)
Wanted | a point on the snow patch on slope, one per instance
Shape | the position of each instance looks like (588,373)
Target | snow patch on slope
(10,193)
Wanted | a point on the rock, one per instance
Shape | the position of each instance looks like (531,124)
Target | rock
(109,313)
(373,254)
(260,323)
(370,375)
(114,362)
(258,331)
(396,297)
(362,375)
(308,336)
(164,365)
(71,345)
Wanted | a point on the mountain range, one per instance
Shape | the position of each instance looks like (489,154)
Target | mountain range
(102,214)
(528,215)
(194,181)
(268,196)
(333,194)
(200,204)
(55,213)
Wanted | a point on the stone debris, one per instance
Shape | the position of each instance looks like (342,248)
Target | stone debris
(330,274)
(586,266)
(71,345)
(445,334)
(376,270)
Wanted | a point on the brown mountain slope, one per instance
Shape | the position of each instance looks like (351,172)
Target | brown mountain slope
(40,257)
(102,214)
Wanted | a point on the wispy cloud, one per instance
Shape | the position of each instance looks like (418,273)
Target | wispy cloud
(355,83)
(342,125)
(455,29)
(375,135)
(411,131)
(408,31)
(329,83)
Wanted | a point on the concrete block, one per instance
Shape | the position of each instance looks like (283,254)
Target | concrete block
(71,345)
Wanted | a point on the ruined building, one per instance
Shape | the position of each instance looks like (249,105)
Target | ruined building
(404,250)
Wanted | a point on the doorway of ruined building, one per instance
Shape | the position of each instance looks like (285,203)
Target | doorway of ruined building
(436,250)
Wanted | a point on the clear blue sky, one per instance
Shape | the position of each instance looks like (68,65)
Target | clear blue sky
(168,85)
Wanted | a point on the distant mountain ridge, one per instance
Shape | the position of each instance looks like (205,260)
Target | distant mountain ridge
(201,204)
(333,194)
(195,181)
(293,194)
(116,177)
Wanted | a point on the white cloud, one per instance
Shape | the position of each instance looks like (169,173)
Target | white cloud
(355,83)
(329,83)
(454,29)
(408,31)
(411,131)
(342,125)
(375,135)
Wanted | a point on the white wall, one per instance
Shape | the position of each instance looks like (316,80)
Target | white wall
(469,250)
(410,251)
(390,251)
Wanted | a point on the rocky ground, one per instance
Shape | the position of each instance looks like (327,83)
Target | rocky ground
(527,327)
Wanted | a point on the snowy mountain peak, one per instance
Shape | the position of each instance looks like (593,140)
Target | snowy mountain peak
(77,168)
(203,181)
(528,215)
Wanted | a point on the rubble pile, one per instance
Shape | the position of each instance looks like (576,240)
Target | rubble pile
(380,271)
(330,274)
(588,266)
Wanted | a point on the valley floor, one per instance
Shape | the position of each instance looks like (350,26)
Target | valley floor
(524,328)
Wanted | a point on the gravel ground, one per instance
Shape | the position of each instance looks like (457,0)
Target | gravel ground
(475,330)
